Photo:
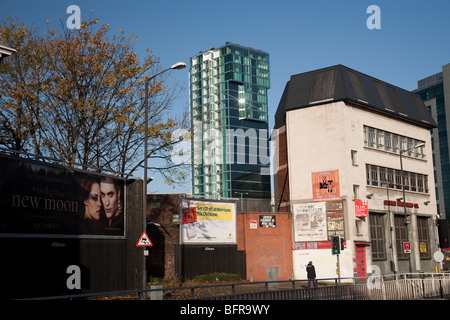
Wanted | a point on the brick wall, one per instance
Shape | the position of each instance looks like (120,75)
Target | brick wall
(266,247)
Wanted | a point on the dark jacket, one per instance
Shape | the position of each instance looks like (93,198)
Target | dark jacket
(311,271)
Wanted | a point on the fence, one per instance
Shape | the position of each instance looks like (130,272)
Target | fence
(388,287)
(391,287)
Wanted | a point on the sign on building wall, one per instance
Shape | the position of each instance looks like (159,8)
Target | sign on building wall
(310,221)
(325,185)
(361,209)
(214,222)
(267,221)
(48,200)
(335,218)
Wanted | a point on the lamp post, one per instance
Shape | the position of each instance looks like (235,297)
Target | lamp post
(403,193)
(393,256)
(176,66)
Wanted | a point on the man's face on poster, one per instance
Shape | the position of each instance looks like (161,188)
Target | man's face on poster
(110,198)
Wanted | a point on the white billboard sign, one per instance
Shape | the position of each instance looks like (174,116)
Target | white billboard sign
(310,221)
(207,222)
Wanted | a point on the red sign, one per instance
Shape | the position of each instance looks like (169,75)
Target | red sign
(189,215)
(361,209)
(144,241)
(400,204)
(325,185)
(407,247)
(313,245)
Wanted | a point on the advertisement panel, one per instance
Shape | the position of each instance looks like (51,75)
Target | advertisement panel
(361,209)
(325,185)
(208,222)
(49,200)
(310,221)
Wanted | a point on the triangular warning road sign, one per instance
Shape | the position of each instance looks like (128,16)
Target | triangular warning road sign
(144,241)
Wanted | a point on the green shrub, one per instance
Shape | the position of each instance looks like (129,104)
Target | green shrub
(215,277)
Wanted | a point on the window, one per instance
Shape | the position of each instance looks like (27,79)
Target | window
(406,180)
(400,235)
(387,142)
(390,142)
(390,178)
(398,179)
(420,187)
(377,236)
(382,172)
(356,191)
(380,139)
(371,143)
(413,181)
(395,143)
(377,176)
(374,175)
(424,238)
(354,157)
(359,225)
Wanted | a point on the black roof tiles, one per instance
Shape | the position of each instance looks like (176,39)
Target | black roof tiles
(340,83)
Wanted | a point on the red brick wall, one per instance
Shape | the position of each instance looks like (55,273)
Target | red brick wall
(266,246)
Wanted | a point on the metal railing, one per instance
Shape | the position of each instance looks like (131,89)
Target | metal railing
(416,286)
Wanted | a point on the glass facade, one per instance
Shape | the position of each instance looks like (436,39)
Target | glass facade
(436,92)
(229,119)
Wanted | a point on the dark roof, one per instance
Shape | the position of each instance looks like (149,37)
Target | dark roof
(340,83)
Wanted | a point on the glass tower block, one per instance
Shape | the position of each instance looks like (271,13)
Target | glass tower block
(229,119)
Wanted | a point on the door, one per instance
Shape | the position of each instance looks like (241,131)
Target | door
(361,269)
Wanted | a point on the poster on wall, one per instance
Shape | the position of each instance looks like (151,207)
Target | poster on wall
(361,209)
(325,185)
(189,215)
(49,200)
(310,221)
(215,222)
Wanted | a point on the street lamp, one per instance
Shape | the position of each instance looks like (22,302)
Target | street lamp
(394,258)
(403,192)
(176,66)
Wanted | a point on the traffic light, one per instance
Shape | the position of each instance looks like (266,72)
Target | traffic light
(342,244)
(335,245)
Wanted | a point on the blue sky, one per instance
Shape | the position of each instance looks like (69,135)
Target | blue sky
(300,36)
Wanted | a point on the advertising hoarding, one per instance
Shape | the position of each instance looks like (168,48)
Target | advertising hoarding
(37,198)
(310,221)
(325,185)
(207,222)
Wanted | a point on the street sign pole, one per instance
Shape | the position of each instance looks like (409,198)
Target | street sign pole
(338,268)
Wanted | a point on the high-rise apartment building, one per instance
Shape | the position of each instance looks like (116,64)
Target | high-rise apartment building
(435,92)
(229,118)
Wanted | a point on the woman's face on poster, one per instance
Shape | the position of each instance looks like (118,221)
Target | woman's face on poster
(93,203)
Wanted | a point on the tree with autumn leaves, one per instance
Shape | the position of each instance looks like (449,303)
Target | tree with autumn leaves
(77,95)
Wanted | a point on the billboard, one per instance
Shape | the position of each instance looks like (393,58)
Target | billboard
(37,198)
(325,185)
(207,222)
(310,221)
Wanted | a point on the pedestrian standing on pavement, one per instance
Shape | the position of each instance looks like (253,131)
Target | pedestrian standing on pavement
(311,271)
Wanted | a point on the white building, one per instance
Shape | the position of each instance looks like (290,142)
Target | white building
(348,127)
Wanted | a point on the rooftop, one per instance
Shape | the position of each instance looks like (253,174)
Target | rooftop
(340,83)
(233,45)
